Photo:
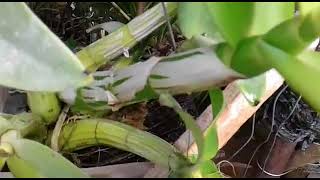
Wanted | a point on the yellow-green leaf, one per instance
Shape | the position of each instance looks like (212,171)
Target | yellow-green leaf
(33,159)
(168,100)
(231,21)
(306,7)
(194,20)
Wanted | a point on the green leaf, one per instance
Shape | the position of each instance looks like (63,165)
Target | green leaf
(267,15)
(253,88)
(194,20)
(31,56)
(209,170)
(168,100)
(211,144)
(33,159)
(301,72)
(283,48)
(247,60)
(20,169)
(146,94)
(296,34)
(306,7)
(95,109)
(292,36)
(234,21)
(215,175)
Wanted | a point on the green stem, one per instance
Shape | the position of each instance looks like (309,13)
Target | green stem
(92,132)
(44,104)
(113,45)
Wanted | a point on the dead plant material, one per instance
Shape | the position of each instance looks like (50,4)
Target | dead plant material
(133,115)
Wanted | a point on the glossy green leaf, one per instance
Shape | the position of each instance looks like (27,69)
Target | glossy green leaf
(283,48)
(295,35)
(209,170)
(215,175)
(253,88)
(33,159)
(306,7)
(231,21)
(21,169)
(301,72)
(194,20)
(291,36)
(247,60)
(31,56)
(267,15)
(168,100)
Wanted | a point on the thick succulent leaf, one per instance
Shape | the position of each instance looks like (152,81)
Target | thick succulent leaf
(295,35)
(306,7)
(233,21)
(21,169)
(31,56)
(301,72)
(267,15)
(193,19)
(33,159)
(253,88)
(292,36)
(247,59)
(283,48)
(209,170)
(168,100)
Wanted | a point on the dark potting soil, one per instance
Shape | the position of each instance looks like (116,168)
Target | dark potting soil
(302,126)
